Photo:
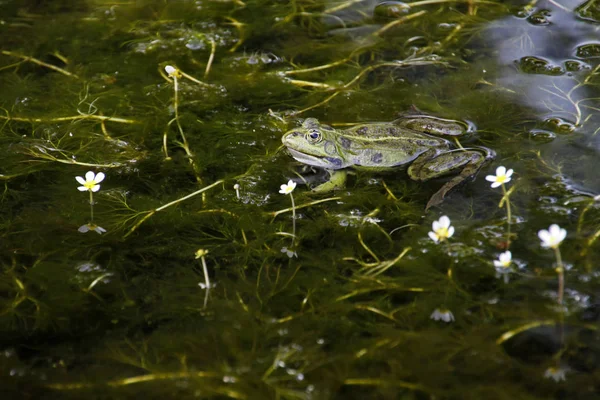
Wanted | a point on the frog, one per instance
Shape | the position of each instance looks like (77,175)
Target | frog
(419,141)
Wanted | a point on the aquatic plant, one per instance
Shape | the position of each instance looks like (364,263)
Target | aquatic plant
(91,184)
(131,309)
(285,189)
(441,229)
(503,265)
(502,177)
(201,254)
(557,374)
(442,314)
(551,239)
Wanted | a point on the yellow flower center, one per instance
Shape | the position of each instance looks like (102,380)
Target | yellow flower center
(442,233)
(89,185)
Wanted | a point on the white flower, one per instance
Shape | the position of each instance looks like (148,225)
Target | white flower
(502,265)
(502,176)
(171,71)
(442,315)
(90,182)
(289,188)
(442,229)
(289,253)
(553,237)
(91,227)
(504,260)
(556,373)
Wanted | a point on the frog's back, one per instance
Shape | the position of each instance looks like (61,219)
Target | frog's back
(388,130)
(383,145)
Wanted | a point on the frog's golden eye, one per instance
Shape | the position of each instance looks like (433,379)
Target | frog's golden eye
(314,136)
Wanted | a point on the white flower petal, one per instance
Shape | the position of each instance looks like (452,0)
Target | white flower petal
(500,171)
(96,188)
(80,180)
(562,235)
(82,188)
(89,176)
(436,226)
(498,264)
(170,70)
(557,374)
(490,178)
(444,221)
(83,228)
(442,315)
(552,237)
(99,177)
(434,236)
(509,173)
(450,231)
(544,235)
(505,257)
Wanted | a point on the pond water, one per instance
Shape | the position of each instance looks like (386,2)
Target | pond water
(186,274)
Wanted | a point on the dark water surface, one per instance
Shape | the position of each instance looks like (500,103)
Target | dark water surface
(126,314)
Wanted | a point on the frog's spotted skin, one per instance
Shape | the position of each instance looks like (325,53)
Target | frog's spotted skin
(384,145)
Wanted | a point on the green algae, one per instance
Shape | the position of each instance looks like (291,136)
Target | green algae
(123,315)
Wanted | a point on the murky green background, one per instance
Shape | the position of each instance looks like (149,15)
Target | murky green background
(122,315)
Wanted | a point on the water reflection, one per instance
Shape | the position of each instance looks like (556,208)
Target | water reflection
(547,62)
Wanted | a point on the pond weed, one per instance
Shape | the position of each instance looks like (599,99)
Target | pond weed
(122,314)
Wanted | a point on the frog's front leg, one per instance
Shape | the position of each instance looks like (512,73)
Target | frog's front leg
(428,167)
(337,180)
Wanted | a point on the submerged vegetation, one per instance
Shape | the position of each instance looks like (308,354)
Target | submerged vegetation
(194,286)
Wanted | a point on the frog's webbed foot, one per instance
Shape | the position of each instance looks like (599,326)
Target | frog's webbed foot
(469,160)
(337,180)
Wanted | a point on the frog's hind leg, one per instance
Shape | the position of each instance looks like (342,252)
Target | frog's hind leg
(469,160)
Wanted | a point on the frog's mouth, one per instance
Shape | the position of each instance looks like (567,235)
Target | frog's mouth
(322,162)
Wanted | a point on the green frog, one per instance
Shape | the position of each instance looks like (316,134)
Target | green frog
(413,140)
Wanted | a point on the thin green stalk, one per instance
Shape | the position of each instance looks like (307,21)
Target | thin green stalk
(201,254)
(176,107)
(91,206)
(184,142)
(508,216)
(293,220)
(561,275)
(449,274)
(561,290)
(206,280)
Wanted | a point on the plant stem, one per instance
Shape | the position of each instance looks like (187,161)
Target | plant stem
(184,143)
(206,280)
(449,274)
(561,275)
(91,206)
(508,216)
(293,220)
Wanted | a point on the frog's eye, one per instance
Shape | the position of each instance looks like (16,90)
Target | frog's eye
(314,136)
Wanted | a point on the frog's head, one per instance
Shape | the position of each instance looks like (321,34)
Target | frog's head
(315,144)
